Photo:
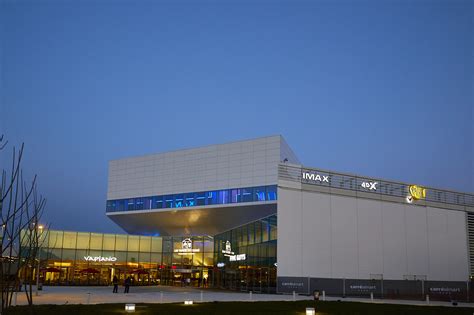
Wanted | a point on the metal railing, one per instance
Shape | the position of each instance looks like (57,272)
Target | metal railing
(324,178)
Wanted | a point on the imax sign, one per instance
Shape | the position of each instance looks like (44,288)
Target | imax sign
(315,177)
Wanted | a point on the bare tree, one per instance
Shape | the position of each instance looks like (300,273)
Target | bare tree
(21,209)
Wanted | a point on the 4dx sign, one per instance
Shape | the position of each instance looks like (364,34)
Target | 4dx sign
(369,185)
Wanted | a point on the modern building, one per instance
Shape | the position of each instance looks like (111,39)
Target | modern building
(201,191)
(342,233)
(280,226)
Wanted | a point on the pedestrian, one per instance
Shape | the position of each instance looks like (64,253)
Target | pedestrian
(127,284)
(115,282)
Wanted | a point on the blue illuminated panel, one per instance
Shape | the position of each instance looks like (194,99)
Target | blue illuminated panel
(206,198)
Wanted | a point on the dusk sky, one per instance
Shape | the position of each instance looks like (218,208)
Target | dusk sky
(378,88)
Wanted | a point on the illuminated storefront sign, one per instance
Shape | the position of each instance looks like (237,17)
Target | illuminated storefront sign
(220,264)
(369,185)
(228,249)
(316,177)
(238,257)
(186,248)
(229,253)
(100,258)
(416,193)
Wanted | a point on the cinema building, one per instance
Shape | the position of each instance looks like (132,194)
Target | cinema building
(249,216)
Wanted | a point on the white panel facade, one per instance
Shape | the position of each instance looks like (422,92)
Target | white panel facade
(437,242)
(394,241)
(286,153)
(232,165)
(349,237)
(447,241)
(316,230)
(458,264)
(417,240)
(344,237)
(369,238)
(290,235)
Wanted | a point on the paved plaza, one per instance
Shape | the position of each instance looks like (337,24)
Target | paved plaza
(145,294)
(164,294)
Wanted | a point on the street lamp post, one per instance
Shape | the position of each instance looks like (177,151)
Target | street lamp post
(39,260)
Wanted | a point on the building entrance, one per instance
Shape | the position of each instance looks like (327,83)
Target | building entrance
(184,277)
(247,278)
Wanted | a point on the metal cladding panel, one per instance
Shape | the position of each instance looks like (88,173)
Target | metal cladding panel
(290,237)
(394,241)
(316,252)
(417,249)
(369,233)
(331,236)
(470,231)
(286,153)
(343,237)
(239,164)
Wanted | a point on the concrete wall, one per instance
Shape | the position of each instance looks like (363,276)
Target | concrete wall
(329,236)
(232,165)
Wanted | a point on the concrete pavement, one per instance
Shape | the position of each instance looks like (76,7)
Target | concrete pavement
(165,294)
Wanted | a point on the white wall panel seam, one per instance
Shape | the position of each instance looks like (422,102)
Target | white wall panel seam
(330,233)
(357,237)
(428,270)
(383,245)
(406,237)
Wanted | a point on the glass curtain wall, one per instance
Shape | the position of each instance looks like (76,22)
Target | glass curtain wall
(195,199)
(245,257)
(82,258)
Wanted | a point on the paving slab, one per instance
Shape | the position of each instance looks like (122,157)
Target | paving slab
(165,294)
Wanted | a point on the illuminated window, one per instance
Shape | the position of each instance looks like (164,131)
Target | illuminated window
(157,202)
(225,196)
(247,195)
(168,201)
(138,203)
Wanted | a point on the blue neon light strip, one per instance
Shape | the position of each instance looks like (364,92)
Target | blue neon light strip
(184,200)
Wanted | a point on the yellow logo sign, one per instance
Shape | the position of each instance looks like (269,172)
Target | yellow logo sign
(417,192)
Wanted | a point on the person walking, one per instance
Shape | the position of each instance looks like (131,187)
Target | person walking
(115,283)
(127,284)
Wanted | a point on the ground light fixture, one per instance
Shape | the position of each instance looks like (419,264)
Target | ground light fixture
(188,302)
(130,308)
(310,311)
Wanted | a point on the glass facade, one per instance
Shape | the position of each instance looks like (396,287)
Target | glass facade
(82,258)
(245,257)
(195,199)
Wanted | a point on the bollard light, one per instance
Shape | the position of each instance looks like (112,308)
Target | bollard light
(310,311)
(188,302)
(130,308)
